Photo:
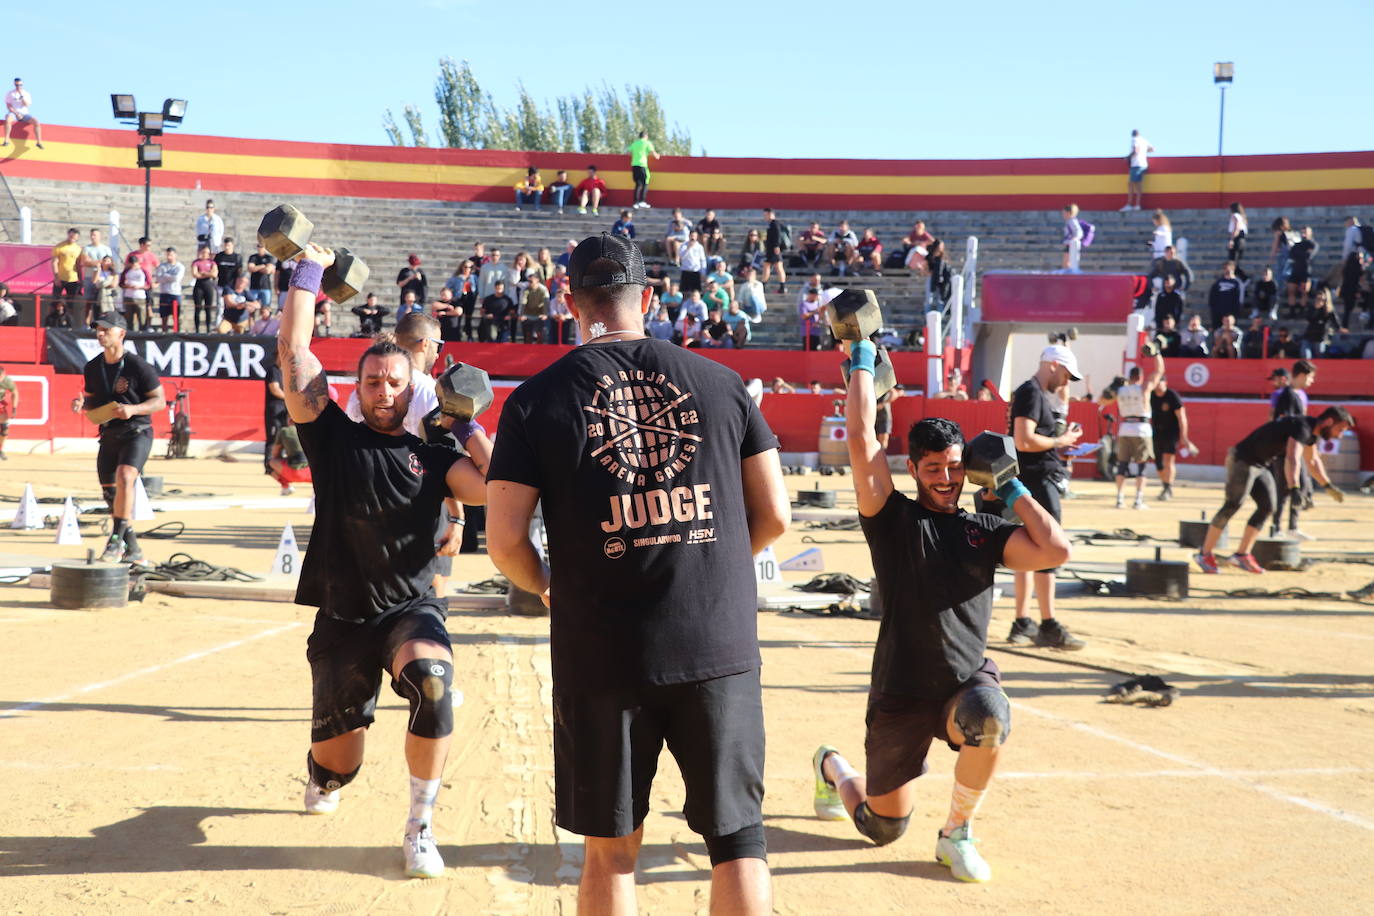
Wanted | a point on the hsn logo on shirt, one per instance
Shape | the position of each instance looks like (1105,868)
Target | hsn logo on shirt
(415,467)
(975,536)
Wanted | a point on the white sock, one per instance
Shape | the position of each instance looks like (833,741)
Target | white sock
(963,804)
(841,768)
(422,795)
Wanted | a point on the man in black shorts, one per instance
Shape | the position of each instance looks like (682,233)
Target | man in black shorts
(1169,419)
(934,565)
(121,392)
(659,481)
(1294,439)
(775,245)
(1040,429)
(379,492)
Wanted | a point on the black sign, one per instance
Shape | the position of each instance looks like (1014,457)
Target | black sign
(181,355)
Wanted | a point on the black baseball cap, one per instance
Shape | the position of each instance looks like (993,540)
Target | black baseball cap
(111,320)
(1280,372)
(623,253)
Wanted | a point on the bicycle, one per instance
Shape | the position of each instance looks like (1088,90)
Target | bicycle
(179,411)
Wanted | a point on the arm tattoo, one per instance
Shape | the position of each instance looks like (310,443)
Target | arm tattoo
(305,376)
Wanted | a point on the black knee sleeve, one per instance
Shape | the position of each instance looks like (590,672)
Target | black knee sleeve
(109,493)
(983,716)
(427,683)
(745,843)
(881,830)
(326,778)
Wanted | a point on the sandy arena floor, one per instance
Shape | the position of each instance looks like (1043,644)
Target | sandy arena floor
(153,754)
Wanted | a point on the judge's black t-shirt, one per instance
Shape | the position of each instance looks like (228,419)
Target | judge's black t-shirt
(260,279)
(377,505)
(1270,441)
(934,573)
(1164,413)
(127,381)
(229,267)
(1030,400)
(635,447)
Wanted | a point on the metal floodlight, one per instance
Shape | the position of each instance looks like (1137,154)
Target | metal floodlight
(173,110)
(150,155)
(149,123)
(1223,72)
(123,107)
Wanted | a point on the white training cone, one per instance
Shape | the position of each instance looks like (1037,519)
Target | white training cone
(68,531)
(27,516)
(287,562)
(766,567)
(143,509)
(806,561)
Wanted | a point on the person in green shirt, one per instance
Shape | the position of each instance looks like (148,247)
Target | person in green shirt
(640,151)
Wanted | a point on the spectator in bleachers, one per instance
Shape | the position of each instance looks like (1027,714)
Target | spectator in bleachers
(590,190)
(411,279)
(671,300)
(842,250)
(284,269)
(985,392)
(777,238)
(168,278)
(371,314)
(534,312)
(479,256)
(463,287)
(107,287)
(204,274)
(751,296)
(409,304)
(694,306)
(210,228)
(752,253)
(692,259)
(1300,255)
(1168,329)
(781,387)
(1322,325)
(1237,226)
(135,283)
(1253,346)
(562,329)
(261,267)
(1073,238)
(497,309)
(1138,164)
(811,245)
(940,279)
(1162,237)
(560,191)
(238,312)
(706,225)
(1171,265)
(724,279)
(228,261)
(543,265)
(657,325)
(88,265)
(1353,270)
(625,226)
(1351,239)
(66,277)
(871,251)
(640,151)
(955,389)
(563,259)
(492,272)
(17,102)
(529,191)
(519,280)
(1266,293)
(811,318)
(715,296)
(1283,346)
(9,311)
(812,282)
(58,316)
(449,314)
(1224,296)
(1284,239)
(267,323)
(676,236)
(1194,338)
(714,243)
(715,333)
(738,322)
(1168,304)
(916,245)
(1226,339)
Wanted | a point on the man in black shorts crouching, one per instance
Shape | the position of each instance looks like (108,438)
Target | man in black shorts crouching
(931,679)
(659,480)
(369,569)
(121,393)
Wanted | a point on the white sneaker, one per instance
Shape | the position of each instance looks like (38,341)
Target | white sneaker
(1298,534)
(646,205)
(959,853)
(1121,502)
(287,489)
(318,801)
(422,853)
(1126,209)
(1139,504)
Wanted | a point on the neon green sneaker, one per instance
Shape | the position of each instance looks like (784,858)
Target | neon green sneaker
(827,799)
(958,852)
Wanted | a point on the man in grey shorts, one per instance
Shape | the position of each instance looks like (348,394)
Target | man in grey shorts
(1293,438)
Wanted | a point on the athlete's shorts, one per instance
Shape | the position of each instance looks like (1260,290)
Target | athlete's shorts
(606,746)
(901,728)
(774,256)
(1164,445)
(119,448)
(882,423)
(1133,450)
(347,659)
(1137,175)
(165,303)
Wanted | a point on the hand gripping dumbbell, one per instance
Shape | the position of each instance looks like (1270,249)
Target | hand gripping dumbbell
(855,315)
(285,232)
(464,392)
(990,461)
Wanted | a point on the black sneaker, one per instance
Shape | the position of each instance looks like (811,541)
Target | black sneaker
(1024,632)
(114,551)
(1053,635)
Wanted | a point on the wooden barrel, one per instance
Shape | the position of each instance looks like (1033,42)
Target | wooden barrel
(1341,457)
(89,585)
(834,443)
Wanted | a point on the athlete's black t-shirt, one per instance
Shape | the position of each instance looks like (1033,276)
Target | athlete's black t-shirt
(377,505)
(635,447)
(128,381)
(260,279)
(1270,441)
(1164,413)
(230,265)
(934,573)
(1030,400)
(1288,404)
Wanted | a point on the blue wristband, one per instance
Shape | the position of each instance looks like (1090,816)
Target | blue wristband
(862,356)
(307,275)
(1011,491)
(463,430)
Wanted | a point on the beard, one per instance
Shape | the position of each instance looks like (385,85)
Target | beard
(389,421)
(939,501)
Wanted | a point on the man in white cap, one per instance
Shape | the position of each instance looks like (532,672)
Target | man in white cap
(1039,426)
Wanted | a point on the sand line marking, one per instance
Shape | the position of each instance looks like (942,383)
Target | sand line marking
(13,712)
(1202,768)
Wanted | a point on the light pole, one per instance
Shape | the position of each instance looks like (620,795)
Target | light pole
(1222,74)
(150,124)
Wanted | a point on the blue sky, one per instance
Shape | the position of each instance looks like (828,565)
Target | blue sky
(870,80)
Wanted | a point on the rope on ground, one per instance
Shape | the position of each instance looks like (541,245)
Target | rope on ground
(835,524)
(157,531)
(1116,534)
(1058,658)
(182,567)
(496,585)
(808,539)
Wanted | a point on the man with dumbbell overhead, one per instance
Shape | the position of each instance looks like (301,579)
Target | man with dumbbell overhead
(934,565)
(379,493)
(1135,435)
(1039,435)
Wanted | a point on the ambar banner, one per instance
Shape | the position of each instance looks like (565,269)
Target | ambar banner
(183,355)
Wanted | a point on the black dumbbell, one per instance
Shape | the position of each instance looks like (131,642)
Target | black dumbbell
(990,460)
(285,232)
(464,391)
